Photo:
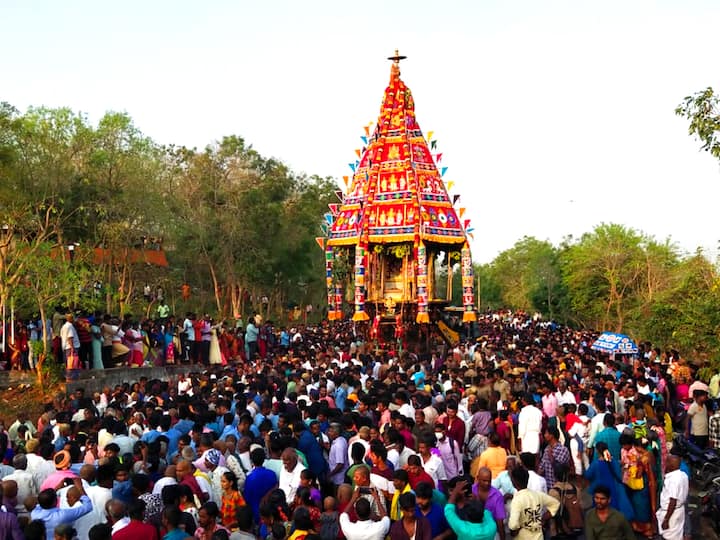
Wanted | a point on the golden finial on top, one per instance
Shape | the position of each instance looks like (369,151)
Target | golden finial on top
(397,57)
(395,70)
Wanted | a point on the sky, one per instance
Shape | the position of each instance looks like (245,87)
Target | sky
(552,116)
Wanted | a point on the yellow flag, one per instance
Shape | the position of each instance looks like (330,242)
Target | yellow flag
(450,185)
(429,135)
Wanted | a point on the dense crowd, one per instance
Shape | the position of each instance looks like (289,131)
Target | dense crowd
(310,433)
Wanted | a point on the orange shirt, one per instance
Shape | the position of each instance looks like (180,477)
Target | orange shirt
(495,459)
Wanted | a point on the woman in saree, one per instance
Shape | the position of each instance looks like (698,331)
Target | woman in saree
(605,471)
(638,466)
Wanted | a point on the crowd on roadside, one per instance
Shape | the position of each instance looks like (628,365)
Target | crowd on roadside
(314,434)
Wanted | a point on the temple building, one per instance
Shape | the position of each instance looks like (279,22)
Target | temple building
(396,224)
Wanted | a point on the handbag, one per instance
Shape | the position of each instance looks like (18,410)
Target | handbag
(73,359)
(635,482)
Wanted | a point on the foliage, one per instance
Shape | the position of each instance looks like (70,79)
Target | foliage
(702,109)
(234,224)
(527,276)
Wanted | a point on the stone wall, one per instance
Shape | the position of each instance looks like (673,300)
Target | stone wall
(94,380)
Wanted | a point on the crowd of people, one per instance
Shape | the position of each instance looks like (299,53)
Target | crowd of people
(314,434)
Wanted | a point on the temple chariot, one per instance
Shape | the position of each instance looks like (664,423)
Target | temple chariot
(396,230)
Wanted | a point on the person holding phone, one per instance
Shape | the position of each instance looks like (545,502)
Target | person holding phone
(365,528)
(48,512)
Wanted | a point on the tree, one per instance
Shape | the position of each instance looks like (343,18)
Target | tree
(528,276)
(686,315)
(612,275)
(51,275)
(702,109)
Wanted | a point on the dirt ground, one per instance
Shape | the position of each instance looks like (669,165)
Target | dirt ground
(29,398)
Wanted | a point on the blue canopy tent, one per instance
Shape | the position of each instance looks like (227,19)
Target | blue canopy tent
(612,343)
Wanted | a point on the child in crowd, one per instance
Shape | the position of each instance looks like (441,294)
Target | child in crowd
(329,524)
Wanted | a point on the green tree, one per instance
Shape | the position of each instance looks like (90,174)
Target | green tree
(528,277)
(612,275)
(686,315)
(702,110)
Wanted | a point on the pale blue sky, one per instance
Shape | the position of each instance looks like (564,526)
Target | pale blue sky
(552,116)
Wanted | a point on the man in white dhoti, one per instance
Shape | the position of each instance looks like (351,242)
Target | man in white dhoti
(529,425)
(671,514)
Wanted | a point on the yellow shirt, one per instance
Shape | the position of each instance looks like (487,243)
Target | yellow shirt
(494,458)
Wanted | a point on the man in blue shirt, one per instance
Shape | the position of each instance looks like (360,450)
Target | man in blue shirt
(432,511)
(259,482)
(309,446)
(251,337)
(47,511)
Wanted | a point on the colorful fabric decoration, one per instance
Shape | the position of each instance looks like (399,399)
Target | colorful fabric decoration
(468,282)
(396,171)
(330,289)
(338,302)
(360,256)
(422,316)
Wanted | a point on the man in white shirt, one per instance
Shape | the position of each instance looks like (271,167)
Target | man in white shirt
(22,419)
(564,396)
(99,496)
(529,426)
(528,507)
(403,403)
(432,464)
(535,481)
(38,466)
(25,483)
(69,337)
(365,528)
(671,514)
(290,474)
(214,474)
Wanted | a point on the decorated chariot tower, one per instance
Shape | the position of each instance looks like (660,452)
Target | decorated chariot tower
(396,226)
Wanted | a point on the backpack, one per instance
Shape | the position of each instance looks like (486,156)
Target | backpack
(329,526)
(569,519)
(639,429)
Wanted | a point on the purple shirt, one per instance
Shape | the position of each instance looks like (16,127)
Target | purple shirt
(495,503)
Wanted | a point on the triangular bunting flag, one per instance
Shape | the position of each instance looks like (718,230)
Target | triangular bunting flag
(442,171)
(471,229)
(320,241)
(346,180)
(466,223)
(329,218)
(455,198)
(364,139)
(324,227)
(333,208)
(461,212)
(449,184)
(339,195)
(430,134)
(438,158)
(367,130)
(433,144)
(352,166)
(472,236)
(357,152)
